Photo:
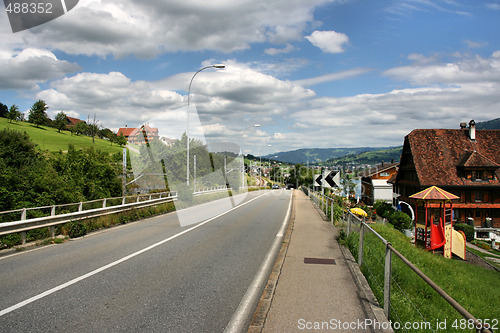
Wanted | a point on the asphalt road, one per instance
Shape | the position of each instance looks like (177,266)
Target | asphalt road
(147,276)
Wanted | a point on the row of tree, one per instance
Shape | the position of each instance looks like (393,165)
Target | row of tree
(32,178)
(38,116)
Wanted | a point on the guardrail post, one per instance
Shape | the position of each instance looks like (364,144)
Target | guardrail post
(138,198)
(52,231)
(124,200)
(104,203)
(349,223)
(361,244)
(387,280)
(23,233)
(80,207)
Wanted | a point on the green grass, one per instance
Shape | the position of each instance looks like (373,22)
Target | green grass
(412,300)
(48,138)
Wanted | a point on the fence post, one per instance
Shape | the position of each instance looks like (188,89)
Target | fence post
(361,243)
(80,207)
(349,223)
(387,280)
(124,200)
(23,214)
(331,211)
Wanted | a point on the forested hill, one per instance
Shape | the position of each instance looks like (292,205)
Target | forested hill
(317,155)
(370,157)
(491,124)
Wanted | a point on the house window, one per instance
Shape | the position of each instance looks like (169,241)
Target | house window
(478,196)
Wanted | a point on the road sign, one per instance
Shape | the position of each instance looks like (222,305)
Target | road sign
(318,180)
(332,179)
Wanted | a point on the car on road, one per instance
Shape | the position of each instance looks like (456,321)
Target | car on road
(275,187)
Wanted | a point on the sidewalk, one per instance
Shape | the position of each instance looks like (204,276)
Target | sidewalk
(320,296)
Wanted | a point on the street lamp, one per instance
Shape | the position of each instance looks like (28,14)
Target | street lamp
(187,126)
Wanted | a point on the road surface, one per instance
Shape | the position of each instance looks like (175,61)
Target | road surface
(149,276)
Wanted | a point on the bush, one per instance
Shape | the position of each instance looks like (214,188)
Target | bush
(467,229)
(77,229)
(401,221)
(383,208)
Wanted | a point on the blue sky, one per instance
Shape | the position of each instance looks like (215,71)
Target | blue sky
(311,73)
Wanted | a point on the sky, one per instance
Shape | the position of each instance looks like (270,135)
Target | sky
(311,73)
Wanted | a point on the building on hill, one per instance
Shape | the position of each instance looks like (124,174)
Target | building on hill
(71,122)
(141,135)
(465,162)
(374,183)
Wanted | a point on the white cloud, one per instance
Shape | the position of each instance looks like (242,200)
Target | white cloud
(29,67)
(332,77)
(148,28)
(466,70)
(328,41)
(273,51)
(493,6)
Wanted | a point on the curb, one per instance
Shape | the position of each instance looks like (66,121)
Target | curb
(264,304)
(368,301)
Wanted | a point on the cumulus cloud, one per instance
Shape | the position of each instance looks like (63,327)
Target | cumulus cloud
(221,96)
(149,28)
(114,98)
(29,67)
(465,70)
(274,51)
(328,41)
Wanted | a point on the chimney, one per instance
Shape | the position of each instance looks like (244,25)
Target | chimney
(463,125)
(472,130)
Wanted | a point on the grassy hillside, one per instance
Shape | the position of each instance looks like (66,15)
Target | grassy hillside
(47,138)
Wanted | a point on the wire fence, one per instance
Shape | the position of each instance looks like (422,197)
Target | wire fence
(407,295)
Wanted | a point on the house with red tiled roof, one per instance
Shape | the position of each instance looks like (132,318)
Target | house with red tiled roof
(375,183)
(465,162)
(71,122)
(141,135)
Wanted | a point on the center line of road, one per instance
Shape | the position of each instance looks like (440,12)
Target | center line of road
(119,261)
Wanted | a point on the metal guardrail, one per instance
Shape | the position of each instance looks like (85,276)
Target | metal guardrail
(23,225)
(324,203)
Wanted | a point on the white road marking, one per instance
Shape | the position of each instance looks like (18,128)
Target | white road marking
(114,263)
(243,313)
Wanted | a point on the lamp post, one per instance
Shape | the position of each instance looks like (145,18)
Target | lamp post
(187,126)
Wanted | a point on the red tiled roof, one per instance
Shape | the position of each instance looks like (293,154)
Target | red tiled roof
(125,131)
(438,152)
(73,121)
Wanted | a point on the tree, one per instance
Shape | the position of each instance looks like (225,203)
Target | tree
(81,128)
(60,121)
(3,110)
(38,114)
(14,113)
(121,140)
